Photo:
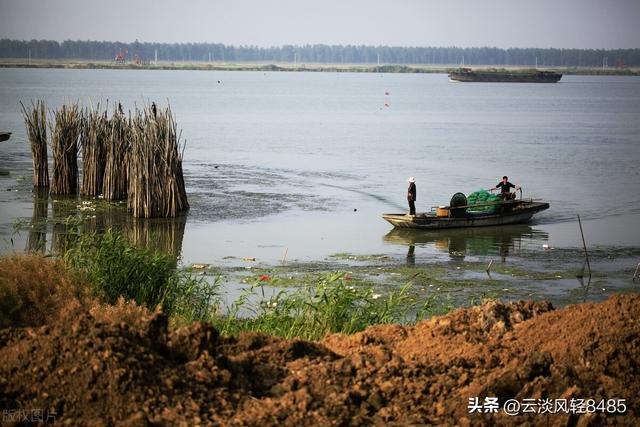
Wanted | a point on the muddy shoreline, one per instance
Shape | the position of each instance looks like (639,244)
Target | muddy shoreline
(116,365)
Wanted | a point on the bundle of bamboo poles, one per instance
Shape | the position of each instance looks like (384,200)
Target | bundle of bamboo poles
(93,140)
(64,147)
(137,158)
(35,120)
(117,146)
(155,177)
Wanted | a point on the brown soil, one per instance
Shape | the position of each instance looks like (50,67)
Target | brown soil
(123,366)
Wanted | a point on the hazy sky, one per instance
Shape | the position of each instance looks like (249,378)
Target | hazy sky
(466,23)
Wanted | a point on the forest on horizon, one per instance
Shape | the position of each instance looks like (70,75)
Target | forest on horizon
(317,53)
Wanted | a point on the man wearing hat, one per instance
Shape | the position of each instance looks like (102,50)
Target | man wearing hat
(411,195)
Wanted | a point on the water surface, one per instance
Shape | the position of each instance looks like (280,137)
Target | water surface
(305,163)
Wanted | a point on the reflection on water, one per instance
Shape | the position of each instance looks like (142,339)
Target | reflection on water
(461,242)
(585,287)
(71,215)
(62,220)
(37,239)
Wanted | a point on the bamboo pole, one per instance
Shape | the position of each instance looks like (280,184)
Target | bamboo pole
(584,244)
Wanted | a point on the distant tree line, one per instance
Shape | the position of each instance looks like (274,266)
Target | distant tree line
(319,53)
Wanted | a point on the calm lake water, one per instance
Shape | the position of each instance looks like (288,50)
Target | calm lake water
(305,163)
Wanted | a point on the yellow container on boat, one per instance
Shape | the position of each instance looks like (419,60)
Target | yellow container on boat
(441,211)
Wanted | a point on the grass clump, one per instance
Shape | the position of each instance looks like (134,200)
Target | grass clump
(330,305)
(116,268)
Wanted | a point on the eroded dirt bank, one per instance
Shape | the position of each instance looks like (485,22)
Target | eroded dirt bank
(123,365)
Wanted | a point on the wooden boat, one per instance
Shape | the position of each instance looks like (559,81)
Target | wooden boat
(502,76)
(508,212)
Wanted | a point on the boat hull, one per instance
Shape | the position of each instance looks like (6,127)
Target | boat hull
(518,215)
(505,77)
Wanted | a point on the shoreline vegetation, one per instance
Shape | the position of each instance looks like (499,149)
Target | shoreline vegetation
(291,67)
(107,267)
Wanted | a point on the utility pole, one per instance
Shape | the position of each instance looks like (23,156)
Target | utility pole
(156,56)
(29,56)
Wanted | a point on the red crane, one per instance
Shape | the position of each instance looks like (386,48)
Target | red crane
(121,56)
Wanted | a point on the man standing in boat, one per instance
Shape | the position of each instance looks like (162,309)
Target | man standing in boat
(504,187)
(411,195)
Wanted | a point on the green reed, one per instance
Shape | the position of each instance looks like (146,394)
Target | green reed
(329,305)
(332,303)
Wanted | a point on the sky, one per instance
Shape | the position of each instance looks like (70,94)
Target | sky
(596,24)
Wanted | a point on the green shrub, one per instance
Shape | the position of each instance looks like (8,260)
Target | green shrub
(115,267)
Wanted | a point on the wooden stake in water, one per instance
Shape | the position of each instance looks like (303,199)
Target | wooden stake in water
(584,244)
(635,275)
(489,268)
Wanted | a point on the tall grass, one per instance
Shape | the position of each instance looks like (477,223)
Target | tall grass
(332,304)
(329,305)
(116,268)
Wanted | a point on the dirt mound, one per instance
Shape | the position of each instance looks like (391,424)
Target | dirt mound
(123,365)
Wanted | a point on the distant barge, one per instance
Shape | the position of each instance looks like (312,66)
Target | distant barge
(536,76)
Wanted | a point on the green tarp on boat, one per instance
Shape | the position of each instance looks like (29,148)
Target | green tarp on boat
(480,197)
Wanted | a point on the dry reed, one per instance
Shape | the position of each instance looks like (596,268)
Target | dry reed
(35,120)
(64,144)
(115,170)
(137,158)
(156,182)
(93,139)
